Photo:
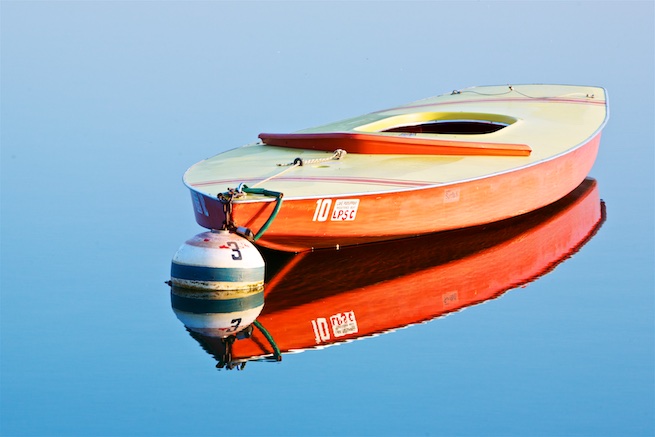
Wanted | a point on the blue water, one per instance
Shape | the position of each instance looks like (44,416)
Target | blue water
(105,104)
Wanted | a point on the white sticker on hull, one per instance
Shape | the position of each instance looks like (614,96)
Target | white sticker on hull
(199,203)
(204,207)
(345,210)
(451,195)
(344,324)
(450,298)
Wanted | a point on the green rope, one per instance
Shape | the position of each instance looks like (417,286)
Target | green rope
(276,350)
(278,203)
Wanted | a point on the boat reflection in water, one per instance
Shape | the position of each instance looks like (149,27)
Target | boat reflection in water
(314,299)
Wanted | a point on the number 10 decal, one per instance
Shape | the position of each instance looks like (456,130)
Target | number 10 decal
(322,210)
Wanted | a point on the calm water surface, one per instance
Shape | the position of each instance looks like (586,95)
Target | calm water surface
(540,326)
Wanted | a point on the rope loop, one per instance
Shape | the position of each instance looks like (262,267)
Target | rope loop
(336,156)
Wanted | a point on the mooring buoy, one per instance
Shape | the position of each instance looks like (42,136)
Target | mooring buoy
(217,283)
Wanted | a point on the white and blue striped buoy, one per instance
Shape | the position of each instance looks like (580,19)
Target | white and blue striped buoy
(217,283)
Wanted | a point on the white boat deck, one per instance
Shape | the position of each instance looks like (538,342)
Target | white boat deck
(550,119)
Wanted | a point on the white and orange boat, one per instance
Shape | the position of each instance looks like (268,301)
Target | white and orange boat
(466,158)
(316,299)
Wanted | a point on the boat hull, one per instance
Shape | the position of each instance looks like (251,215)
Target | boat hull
(315,299)
(334,221)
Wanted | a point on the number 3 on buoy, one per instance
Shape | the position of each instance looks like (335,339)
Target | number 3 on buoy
(235,248)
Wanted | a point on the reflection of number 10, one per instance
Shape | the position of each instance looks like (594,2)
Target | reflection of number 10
(322,210)
(321,331)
